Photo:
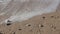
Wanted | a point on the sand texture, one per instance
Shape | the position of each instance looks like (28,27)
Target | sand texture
(41,24)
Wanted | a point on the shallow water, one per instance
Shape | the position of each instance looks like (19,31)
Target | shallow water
(18,10)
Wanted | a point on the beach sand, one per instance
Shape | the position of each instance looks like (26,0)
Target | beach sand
(42,24)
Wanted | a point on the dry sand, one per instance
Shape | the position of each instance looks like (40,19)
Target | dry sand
(42,24)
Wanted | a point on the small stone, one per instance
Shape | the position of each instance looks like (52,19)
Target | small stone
(28,25)
(52,16)
(54,27)
(8,24)
(42,25)
(20,29)
(43,17)
(8,21)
